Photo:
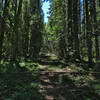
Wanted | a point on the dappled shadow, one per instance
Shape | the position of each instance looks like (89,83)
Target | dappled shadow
(59,86)
(20,84)
(52,60)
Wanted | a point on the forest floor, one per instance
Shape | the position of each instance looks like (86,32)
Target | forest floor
(48,79)
(68,83)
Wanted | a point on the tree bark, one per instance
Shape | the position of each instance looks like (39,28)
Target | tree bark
(75,29)
(2,28)
(96,34)
(70,23)
(88,34)
(17,15)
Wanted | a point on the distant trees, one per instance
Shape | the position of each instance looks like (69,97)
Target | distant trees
(80,25)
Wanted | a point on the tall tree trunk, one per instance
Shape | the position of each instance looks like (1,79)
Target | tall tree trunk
(26,30)
(62,40)
(96,34)
(70,19)
(2,28)
(76,29)
(17,15)
(88,30)
(36,35)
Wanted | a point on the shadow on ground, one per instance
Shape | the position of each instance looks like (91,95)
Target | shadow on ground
(59,86)
(20,85)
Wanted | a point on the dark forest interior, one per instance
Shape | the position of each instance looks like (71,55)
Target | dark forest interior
(57,60)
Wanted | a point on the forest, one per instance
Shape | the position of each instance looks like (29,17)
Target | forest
(57,60)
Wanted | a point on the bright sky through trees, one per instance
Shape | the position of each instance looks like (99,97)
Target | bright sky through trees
(45,8)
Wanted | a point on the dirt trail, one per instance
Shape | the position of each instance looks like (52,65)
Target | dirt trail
(58,87)
(50,82)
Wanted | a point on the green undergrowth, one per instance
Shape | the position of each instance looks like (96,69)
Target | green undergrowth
(82,85)
(21,66)
(52,68)
(20,81)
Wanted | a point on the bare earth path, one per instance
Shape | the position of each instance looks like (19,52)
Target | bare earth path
(49,80)
(59,86)
(58,90)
